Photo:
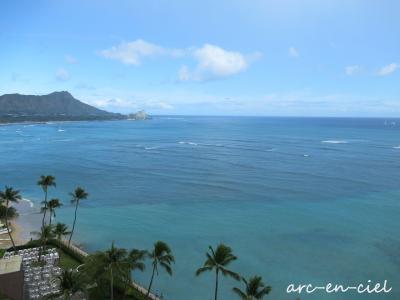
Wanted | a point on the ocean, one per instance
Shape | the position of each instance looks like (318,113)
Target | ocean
(299,200)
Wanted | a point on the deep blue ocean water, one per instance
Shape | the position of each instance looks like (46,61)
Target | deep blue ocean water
(300,200)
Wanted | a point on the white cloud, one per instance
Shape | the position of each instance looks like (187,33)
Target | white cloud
(352,70)
(132,53)
(293,52)
(211,61)
(388,69)
(62,74)
(70,59)
(216,62)
(126,105)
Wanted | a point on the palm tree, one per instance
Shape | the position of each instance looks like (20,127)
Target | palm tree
(218,260)
(52,205)
(78,195)
(9,195)
(11,212)
(136,258)
(255,289)
(160,255)
(70,282)
(134,261)
(44,235)
(45,182)
(59,231)
(115,258)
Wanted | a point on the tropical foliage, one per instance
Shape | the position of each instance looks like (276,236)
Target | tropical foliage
(108,274)
(44,235)
(8,196)
(78,195)
(218,261)
(45,182)
(70,282)
(254,289)
(52,205)
(60,230)
(161,256)
(11,211)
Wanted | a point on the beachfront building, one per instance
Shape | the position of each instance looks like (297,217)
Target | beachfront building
(12,278)
(24,277)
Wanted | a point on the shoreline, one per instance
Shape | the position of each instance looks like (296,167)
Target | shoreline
(17,233)
(28,220)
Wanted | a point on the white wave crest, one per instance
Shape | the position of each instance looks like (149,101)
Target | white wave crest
(29,201)
(396,147)
(188,143)
(334,142)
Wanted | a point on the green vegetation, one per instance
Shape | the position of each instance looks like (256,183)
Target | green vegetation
(11,212)
(108,274)
(78,195)
(52,205)
(44,235)
(45,182)
(68,261)
(59,231)
(255,289)
(218,261)
(70,283)
(160,256)
(57,106)
(8,196)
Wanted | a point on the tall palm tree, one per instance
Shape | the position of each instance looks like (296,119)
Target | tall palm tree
(70,283)
(45,182)
(44,235)
(134,261)
(52,205)
(115,258)
(255,289)
(60,230)
(160,255)
(78,195)
(218,260)
(9,195)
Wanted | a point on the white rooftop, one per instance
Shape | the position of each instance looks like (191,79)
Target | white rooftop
(10,265)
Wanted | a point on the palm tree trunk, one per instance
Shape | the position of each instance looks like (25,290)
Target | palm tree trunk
(45,206)
(151,282)
(127,280)
(8,229)
(216,285)
(50,213)
(73,226)
(111,284)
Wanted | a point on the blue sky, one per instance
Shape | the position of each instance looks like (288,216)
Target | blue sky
(296,58)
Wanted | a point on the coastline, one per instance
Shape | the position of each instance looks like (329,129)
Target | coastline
(21,232)
(28,220)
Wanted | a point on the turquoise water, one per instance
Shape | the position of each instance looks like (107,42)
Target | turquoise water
(299,200)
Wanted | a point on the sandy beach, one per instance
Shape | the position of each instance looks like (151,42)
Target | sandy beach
(17,232)
(28,220)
